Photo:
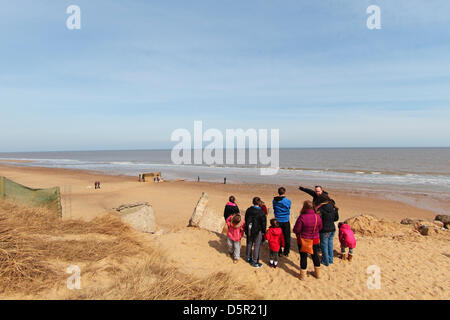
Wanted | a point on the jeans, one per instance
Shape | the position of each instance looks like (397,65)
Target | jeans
(234,248)
(304,257)
(350,250)
(326,244)
(257,243)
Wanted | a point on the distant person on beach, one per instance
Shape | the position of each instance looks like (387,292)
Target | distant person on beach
(347,240)
(318,190)
(282,212)
(225,180)
(198,179)
(255,229)
(329,215)
(230,208)
(234,235)
(307,229)
(276,240)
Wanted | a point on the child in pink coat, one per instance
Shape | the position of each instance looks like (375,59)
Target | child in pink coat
(234,235)
(347,240)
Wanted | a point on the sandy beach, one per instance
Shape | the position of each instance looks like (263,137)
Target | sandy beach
(412,266)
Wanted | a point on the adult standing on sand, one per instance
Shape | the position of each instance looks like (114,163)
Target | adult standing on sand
(255,229)
(329,215)
(318,190)
(230,208)
(282,212)
(307,226)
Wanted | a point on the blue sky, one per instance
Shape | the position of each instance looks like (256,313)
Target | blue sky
(137,70)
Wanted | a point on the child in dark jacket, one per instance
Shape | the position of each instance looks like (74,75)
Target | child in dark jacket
(275,238)
(231,208)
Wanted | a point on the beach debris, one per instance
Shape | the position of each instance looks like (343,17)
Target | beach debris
(206,218)
(438,223)
(369,225)
(410,220)
(424,230)
(444,218)
(427,228)
(139,215)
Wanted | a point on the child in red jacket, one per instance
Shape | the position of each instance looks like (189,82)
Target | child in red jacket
(276,240)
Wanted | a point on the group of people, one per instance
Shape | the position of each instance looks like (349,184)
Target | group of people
(97,184)
(314,229)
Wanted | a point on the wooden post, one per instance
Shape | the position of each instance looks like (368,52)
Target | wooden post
(58,197)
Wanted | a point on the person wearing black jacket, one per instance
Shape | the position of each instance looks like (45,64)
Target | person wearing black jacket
(230,208)
(318,190)
(255,229)
(329,214)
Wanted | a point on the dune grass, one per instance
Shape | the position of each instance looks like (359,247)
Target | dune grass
(36,247)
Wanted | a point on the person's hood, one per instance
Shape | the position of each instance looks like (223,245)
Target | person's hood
(279,198)
(345,227)
(238,225)
(231,204)
(276,231)
(325,205)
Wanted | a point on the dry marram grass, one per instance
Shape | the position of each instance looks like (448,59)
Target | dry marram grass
(36,247)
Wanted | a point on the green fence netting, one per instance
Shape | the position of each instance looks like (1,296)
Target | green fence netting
(50,198)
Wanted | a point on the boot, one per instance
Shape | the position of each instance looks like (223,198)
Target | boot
(350,256)
(317,272)
(302,274)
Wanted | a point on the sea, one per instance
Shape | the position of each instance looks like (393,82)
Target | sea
(417,176)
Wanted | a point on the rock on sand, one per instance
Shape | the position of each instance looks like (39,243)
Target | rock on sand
(139,216)
(205,217)
(410,220)
(444,218)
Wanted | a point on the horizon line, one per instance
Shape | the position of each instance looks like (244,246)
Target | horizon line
(281,148)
